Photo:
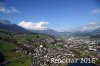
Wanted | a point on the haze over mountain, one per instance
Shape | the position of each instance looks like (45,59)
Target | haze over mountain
(88,27)
(92,28)
(97,30)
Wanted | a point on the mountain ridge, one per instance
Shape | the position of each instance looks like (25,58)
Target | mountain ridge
(7,25)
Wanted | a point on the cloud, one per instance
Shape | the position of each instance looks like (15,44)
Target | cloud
(34,26)
(90,26)
(96,11)
(92,23)
(4,9)
(13,9)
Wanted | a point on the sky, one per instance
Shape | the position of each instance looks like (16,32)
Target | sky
(59,15)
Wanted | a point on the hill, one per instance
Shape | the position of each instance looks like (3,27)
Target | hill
(7,25)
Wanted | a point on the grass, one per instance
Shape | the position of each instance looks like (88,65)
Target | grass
(24,61)
(6,48)
(15,59)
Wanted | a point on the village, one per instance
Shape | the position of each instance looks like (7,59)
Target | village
(73,47)
(43,49)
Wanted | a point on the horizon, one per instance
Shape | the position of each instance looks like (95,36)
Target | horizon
(62,15)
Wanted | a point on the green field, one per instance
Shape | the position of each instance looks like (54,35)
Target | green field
(24,61)
(15,59)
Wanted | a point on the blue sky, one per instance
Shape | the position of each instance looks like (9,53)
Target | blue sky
(60,15)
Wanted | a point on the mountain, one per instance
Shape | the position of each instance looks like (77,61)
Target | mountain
(97,30)
(51,32)
(7,25)
(93,33)
(80,34)
(48,31)
(89,27)
(86,30)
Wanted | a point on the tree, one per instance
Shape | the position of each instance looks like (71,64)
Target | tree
(2,59)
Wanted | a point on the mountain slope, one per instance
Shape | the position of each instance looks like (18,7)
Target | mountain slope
(6,25)
(97,30)
(51,32)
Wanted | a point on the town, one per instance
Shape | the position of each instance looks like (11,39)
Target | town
(43,48)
